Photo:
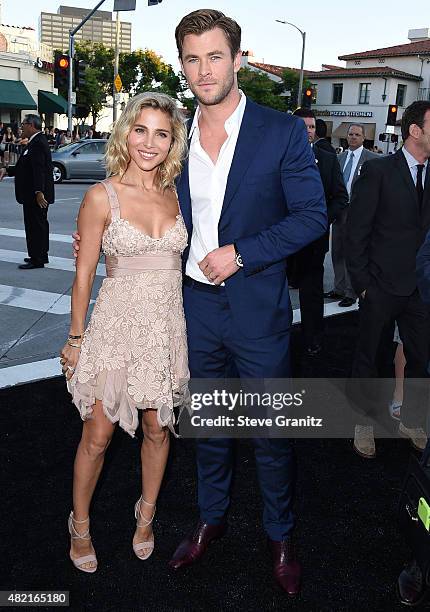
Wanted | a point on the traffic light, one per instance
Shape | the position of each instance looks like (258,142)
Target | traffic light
(61,70)
(307,97)
(392,114)
(394,138)
(80,67)
(382,137)
(154,2)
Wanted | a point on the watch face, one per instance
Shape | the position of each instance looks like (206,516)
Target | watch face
(239,261)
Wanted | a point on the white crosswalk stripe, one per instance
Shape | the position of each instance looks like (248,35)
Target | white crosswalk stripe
(29,372)
(55,263)
(44,301)
(17,233)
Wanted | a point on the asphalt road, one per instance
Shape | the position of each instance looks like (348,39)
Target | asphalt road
(35,304)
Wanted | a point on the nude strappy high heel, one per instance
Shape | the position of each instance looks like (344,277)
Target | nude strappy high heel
(75,535)
(143,522)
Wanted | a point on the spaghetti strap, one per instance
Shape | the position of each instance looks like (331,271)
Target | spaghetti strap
(177,202)
(113,199)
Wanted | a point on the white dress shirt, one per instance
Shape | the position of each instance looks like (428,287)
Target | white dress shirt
(357,154)
(208,181)
(413,163)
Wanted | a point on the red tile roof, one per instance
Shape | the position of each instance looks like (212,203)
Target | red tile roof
(276,70)
(413,48)
(382,71)
(332,67)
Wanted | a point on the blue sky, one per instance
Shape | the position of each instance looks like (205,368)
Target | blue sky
(332,28)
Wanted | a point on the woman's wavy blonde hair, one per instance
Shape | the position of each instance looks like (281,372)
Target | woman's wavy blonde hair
(117,156)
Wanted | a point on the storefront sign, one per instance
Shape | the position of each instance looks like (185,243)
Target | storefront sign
(42,65)
(329,113)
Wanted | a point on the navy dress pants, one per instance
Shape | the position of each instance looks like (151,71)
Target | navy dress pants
(214,345)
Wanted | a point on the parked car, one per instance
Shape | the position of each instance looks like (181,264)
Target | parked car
(79,160)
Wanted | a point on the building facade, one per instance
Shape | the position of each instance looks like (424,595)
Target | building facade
(26,77)
(54,28)
(362,90)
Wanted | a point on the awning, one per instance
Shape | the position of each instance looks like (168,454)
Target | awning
(48,102)
(14,94)
(342,130)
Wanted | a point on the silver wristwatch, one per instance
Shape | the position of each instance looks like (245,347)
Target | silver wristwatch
(238,257)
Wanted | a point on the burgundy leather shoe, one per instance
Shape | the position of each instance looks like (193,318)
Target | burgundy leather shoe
(286,568)
(194,546)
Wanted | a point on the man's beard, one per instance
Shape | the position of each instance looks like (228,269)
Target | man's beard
(218,97)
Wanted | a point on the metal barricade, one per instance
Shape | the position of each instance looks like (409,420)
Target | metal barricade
(10,153)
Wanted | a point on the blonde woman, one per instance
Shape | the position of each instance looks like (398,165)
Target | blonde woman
(133,353)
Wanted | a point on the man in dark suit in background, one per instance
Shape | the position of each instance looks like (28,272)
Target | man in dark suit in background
(388,219)
(320,139)
(350,162)
(34,189)
(308,263)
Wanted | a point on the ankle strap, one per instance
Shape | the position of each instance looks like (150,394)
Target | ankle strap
(142,521)
(76,521)
(74,534)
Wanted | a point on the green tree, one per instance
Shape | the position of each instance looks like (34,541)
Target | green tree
(140,70)
(290,82)
(98,77)
(154,74)
(261,88)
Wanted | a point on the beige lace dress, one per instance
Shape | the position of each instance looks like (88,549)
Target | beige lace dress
(134,351)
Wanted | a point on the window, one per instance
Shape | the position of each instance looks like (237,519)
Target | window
(337,93)
(100,147)
(89,149)
(401,95)
(364,96)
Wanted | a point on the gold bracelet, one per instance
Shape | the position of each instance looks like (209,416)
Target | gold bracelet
(73,345)
(75,337)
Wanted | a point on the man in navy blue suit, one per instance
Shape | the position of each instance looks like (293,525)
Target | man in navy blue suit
(251,195)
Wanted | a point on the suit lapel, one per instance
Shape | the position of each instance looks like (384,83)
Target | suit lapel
(361,161)
(183,186)
(426,199)
(405,173)
(246,148)
(342,158)
(184,196)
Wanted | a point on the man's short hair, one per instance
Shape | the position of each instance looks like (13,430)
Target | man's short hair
(35,121)
(360,125)
(304,112)
(414,113)
(205,20)
(320,128)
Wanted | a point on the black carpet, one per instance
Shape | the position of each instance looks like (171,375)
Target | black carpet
(347,534)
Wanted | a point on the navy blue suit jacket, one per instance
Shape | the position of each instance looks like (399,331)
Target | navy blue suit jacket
(423,270)
(273,206)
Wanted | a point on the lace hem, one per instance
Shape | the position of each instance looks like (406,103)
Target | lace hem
(111,388)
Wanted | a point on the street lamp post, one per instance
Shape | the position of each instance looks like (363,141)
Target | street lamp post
(303,35)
